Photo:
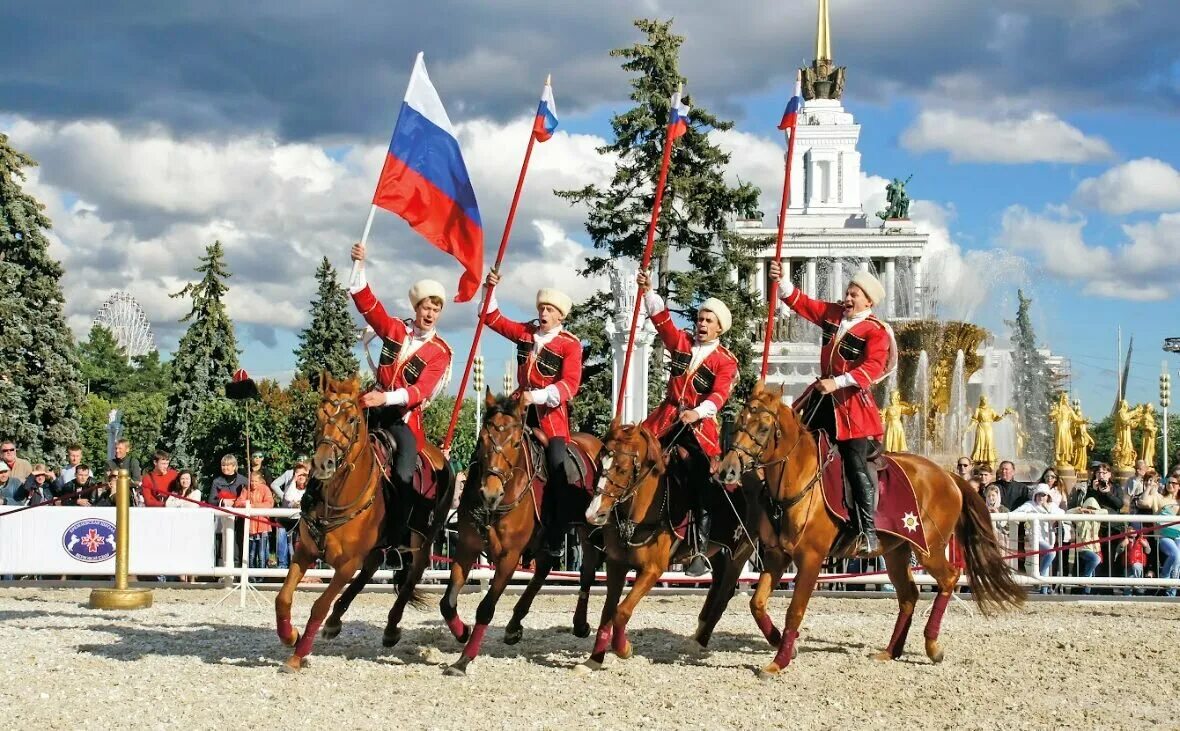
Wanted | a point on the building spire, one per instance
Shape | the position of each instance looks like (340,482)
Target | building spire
(823,33)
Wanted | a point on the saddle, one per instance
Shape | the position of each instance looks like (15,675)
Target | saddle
(430,462)
(897,503)
(581,472)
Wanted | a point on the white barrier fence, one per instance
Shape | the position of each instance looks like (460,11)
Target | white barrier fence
(180,542)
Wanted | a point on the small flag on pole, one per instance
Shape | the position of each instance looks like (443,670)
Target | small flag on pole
(425,181)
(677,117)
(546,121)
(794,107)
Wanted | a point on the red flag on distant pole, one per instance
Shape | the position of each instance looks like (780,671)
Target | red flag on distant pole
(789,121)
(677,126)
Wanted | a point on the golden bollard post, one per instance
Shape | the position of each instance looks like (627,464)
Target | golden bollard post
(119,596)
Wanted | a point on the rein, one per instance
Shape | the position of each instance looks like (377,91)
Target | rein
(342,448)
(486,515)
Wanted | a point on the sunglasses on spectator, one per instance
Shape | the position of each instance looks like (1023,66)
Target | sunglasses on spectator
(8,449)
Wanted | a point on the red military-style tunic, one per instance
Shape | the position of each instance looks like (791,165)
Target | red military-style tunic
(866,352)
(558,364)
(420,373)
(689,387)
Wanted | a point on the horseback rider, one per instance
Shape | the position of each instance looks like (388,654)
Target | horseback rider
(414,359)
(858,351)
(703,372)
(549,374)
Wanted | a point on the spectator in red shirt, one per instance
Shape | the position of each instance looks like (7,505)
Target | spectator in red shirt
(160,483)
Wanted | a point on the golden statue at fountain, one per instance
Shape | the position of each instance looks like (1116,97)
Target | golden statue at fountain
(1123,454)
(1082,441)
(984,417)
(1148,433)
(1065,419)
(892,415)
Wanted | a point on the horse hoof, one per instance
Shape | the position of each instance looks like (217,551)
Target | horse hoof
(292,640)
(582,630)
(462,639)
(775,638)
(454,671)
(512,634)
(293,664)
(769,672)
(934,652)
(626,652)
(391,636)
(882,656)
(330,630)
(587,667)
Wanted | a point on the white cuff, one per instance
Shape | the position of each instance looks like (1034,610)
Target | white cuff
(400,397)
(653,302)
(356,280)
(785,288)
(493,305)
(706,409)
(845,381)
(552,396)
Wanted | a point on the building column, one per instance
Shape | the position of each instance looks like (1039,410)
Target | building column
(760,278)
(863,266)
(890,288)
(916,272)
(836,281)
(809,279)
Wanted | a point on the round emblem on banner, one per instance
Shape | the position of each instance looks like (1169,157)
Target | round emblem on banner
(90,540)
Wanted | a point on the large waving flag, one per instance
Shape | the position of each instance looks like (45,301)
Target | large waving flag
(546,121)
(794,107)
(425,181)
(677,117)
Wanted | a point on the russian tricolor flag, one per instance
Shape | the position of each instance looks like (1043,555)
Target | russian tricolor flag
(425,181)
(546,121)
(794,107)
(677,117)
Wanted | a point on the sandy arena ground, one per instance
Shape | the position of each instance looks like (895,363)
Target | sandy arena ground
(186,663)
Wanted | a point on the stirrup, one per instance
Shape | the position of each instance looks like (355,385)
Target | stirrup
(698,566)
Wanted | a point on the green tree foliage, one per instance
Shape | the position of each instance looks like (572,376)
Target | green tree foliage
(93,418)
(105,368)
(591,411)
(149,374)
(1031,396)
(329,342)
(205,359)
(697,207)
(437,417)
(37,349)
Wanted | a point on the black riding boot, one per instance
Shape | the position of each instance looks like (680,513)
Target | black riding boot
(312,494)
(864,495)
(699,566)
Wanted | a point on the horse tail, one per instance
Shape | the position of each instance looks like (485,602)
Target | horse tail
(991,579)
(417,598)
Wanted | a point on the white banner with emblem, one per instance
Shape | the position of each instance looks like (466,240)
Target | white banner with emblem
(78,540)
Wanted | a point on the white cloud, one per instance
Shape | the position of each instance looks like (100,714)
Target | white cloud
(1037,137)
(132,210)
(758,160)
(1146,184)
(1143,267)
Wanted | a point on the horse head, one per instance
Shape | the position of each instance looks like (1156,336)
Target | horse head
(763,425)
(340,426)
(501,448)
(632,464)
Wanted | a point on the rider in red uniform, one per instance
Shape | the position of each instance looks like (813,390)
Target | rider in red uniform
(858,351)
(703,374)
(414,360)
(549,374)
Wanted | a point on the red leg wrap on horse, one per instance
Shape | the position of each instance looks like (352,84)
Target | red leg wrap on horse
(766,624)
(901,628)
(458,628)
(934,624)
(786,649)
(284,628)
(602,639)
(303,647)
(619,641)
(471,649)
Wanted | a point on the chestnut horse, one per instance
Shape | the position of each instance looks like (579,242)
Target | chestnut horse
(771,436)
(501,517)
(345,528)
(646,495)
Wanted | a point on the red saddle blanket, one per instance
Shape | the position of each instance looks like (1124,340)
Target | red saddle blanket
(897,504)
(424,481)
(581,472)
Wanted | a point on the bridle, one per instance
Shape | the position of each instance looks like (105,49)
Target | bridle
(341,448)
(624,492)
(761,445)
(515,432)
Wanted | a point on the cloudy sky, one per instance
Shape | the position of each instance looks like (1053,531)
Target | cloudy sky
(1042,136)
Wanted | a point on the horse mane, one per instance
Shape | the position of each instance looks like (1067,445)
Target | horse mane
(505,405)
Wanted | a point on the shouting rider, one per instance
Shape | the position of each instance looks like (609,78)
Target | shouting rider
(549,374)
(414,359)
(703,373)
(858,351)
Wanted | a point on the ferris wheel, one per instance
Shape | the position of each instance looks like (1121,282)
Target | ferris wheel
(126,320)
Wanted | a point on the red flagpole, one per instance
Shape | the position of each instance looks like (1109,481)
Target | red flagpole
(772,301)
(651,239)
(483,310)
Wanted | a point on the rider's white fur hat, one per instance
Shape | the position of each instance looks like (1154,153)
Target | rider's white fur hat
(870,285)
(555,298)
(424,288)
(718,308)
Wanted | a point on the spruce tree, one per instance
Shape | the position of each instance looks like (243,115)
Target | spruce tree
(205,358)
(591,411)
(1031,387)
(329,341)
(105,369)
(697,206)
(38,356)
